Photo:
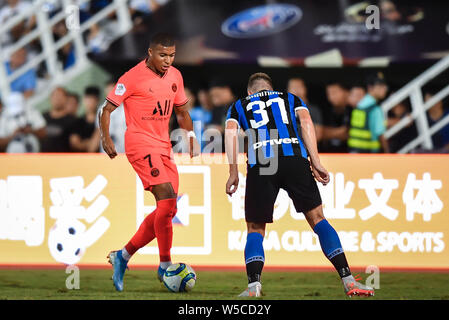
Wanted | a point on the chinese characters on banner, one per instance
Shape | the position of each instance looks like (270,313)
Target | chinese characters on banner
(336,196)
(22,215)
(388,211)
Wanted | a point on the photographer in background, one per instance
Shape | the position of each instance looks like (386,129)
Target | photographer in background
(83,139)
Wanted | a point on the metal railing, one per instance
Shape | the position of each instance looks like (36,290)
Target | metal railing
(44,24)
(413,90)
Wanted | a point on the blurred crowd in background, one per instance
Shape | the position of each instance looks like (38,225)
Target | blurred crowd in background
(71,122)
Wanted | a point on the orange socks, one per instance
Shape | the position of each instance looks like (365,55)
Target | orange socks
(166,210)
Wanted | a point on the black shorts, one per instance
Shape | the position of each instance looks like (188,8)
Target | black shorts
(293,175)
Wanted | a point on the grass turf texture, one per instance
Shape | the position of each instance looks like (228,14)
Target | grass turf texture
(226,285)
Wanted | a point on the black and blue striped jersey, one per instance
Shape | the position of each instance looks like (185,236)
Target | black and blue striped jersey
(269,120)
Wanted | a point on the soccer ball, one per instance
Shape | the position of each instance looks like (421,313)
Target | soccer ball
(179,277)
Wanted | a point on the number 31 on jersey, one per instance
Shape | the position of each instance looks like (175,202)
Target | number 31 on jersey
(279,102)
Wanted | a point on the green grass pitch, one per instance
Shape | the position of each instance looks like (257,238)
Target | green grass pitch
(211,285)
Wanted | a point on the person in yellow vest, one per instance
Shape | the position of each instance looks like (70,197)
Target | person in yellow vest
(367,124)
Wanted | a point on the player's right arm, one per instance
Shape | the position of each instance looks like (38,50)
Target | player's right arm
(104,121)
(309,137)
(122,90)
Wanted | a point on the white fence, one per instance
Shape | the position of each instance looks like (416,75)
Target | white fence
(413,90)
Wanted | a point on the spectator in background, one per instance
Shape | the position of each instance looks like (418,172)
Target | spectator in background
(98,39)
(12,8)
(139,9)
(143,7)
(336,119)
(389,11)
(93,7)
(60,125)
(356,93)
(298,87)
(66,55)
(83,139)
(205,101)
(221,97)
(437,112)
(405,135)
(26,83)
(367,120)
(21,127)
(73,102)
(100,34)
(117,127)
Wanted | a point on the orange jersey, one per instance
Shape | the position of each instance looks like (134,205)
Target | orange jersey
(148,100)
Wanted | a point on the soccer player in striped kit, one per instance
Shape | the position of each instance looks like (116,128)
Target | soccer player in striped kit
(150,92)
(278,157)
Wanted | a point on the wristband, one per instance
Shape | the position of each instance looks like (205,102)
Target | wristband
(191,134)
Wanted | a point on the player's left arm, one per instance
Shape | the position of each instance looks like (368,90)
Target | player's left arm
(308,134)
(232,151)
(183,116)
(232,148)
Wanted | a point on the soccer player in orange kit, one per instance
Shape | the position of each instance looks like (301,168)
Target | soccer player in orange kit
(150,92)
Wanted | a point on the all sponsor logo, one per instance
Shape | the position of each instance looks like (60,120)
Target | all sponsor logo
(162,111)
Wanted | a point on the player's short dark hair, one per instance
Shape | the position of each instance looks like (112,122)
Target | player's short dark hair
(297,78)
(162,38)
(431,90)
(218,82)
(375,78)
(357,85)
(58,88)
(92,91)
(258,76)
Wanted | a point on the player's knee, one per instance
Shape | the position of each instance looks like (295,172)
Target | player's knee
(256,227)
(174,211)
(166,209)
(314,216)
(163,191)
